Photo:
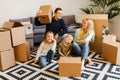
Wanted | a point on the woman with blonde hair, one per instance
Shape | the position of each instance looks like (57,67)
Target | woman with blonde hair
(82,38)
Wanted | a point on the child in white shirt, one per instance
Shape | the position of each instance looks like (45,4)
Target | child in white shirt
(46,50)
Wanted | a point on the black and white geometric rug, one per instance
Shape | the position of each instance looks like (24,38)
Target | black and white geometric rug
(102,70)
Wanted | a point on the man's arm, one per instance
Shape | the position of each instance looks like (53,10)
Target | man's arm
(37,20)
(64,28)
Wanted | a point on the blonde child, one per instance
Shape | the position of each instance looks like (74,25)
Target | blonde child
(46,50)
(65,46)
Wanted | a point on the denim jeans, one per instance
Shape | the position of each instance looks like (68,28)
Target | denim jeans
(81,50)
(43,59)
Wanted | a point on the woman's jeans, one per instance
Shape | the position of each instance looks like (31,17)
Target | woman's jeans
(43,59)
(81,50)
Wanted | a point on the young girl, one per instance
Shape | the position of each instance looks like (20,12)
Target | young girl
(64,47)
(81,41)
(46,50)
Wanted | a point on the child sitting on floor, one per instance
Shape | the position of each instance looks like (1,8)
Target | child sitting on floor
(46,50)
(65,46)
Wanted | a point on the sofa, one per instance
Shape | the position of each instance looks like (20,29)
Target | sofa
(39,31)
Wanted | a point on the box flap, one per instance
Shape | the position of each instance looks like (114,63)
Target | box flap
(95,16)
(9,25)
(70,60)
(2,30)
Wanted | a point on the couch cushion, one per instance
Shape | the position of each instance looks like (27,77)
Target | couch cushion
(39,31)
(20,20)
(71,30)
(69,19)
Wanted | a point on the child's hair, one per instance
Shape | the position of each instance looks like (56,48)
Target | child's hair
(66,35)
(49,32)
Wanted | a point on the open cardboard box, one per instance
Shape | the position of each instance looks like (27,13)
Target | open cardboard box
(111,50)
(17,32)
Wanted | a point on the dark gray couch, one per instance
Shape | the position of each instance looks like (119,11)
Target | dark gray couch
(39,31)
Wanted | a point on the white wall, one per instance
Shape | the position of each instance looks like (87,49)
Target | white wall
(12,9)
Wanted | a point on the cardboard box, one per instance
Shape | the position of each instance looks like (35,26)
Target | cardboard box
(7,59)
(5,40)
(17,32)
(22,52)
(46,15)
(100,20)
(111,51)
(9,25)
(70,66)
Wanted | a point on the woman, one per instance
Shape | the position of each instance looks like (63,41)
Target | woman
(82,38)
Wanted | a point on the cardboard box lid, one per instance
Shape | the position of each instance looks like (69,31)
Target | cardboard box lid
(70,60)
(111,40)
(9,25)
(45,9)
(2,30)
(95,16)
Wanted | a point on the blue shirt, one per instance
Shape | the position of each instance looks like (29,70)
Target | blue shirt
(56,26)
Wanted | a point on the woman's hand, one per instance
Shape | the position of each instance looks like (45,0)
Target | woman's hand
(81,41)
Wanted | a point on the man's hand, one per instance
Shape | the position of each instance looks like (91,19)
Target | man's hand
(38,13)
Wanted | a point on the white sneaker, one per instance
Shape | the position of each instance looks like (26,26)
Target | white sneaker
(53,61)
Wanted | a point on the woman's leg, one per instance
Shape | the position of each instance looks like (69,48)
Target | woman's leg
(42,61)
(85,53)
(85,50)
(50,55)
(90,62)
(82,64)
(76,49)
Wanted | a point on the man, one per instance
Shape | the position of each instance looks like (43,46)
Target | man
(57,26)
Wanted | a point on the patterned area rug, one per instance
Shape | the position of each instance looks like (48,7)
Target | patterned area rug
(102,70)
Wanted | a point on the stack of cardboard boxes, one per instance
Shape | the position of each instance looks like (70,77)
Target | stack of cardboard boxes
(21,47)
(6,51)
(13,45)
